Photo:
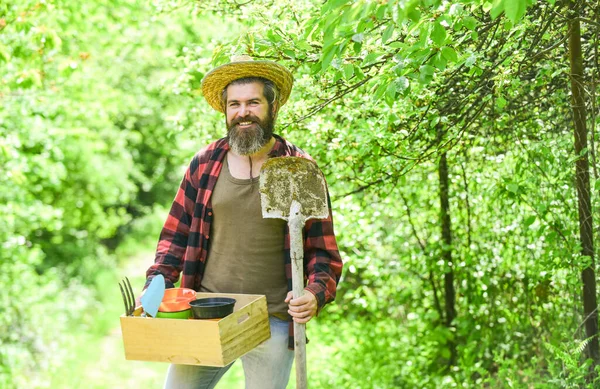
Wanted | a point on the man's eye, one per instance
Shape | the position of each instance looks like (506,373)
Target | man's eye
(233,104)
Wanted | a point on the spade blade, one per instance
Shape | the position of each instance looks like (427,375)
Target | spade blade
(154,295)
(285,179)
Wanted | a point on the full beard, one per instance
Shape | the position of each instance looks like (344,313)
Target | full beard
(250,140)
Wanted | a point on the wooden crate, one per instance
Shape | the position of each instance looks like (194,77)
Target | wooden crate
(216,342)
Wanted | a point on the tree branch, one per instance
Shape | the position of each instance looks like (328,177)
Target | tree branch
(431,280)
(312,111)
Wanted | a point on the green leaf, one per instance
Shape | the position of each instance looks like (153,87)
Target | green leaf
(337,76)
(273,37)
(310,27)
(381,88)
(398,45)
(439,61)
(350,14)
(370,58)
(348,71)
(514,9)
(387,33)
(302,44)
(414,15)
(512,187)
(390,94)
(449,54)
(328,54)
(381,10)
(315,68)
(390,91)
(426,69)
(359,73)
(529,221)
(470,22)
(415,27)
(426,74)
(542,208)
(497,8)
(332,5)
(290,53)
(500,102)
(438,34)
(424,35)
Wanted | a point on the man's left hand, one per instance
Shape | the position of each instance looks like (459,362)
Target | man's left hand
(303,308)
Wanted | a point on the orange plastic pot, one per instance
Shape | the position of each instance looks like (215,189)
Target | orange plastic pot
(177,299)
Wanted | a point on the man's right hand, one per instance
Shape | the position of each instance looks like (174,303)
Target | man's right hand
(303,308)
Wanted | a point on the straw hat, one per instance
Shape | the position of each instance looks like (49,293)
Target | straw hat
(244,66)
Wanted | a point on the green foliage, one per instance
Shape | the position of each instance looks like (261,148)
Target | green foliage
(381,90)
(101,106)
(93,136)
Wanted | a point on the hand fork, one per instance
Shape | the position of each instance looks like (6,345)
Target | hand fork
(128,297)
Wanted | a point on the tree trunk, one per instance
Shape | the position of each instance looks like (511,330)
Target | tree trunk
(449,292)
(582,173)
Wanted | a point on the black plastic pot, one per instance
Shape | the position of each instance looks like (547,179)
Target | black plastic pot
(212,307)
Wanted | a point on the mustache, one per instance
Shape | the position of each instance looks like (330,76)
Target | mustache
(248,118)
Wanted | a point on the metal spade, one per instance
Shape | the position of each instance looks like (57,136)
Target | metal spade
(293,189)
(154,295)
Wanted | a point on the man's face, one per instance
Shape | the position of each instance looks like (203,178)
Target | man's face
(248,117)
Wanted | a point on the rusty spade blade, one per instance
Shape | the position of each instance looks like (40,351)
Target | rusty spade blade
(293,189)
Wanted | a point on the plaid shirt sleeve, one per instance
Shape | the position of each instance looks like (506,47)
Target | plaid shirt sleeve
(173,239)
(322,259)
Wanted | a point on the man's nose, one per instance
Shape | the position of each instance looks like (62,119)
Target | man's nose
(243,110)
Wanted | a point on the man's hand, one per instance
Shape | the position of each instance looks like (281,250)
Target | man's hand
(303,308)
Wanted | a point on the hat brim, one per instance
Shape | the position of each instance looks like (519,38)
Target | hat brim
(217,79)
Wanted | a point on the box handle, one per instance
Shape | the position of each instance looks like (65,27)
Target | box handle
(243,318)
(184,360)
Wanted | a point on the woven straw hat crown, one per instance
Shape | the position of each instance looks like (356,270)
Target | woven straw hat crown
(217,79)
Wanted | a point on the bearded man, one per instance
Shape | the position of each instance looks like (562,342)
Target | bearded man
(215,235)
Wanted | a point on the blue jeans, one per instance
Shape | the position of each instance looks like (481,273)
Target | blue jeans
(268,366)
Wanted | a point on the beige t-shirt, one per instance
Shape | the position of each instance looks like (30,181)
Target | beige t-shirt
(246,252)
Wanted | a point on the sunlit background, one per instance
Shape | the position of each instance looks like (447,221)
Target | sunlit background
(444,131)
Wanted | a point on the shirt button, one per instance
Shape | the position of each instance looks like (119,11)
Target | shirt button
(210,214)
(206,236)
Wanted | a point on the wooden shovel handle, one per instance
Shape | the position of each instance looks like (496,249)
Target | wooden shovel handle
(300,355)
(296,223)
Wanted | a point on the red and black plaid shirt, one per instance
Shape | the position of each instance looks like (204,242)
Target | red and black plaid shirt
(184,239)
